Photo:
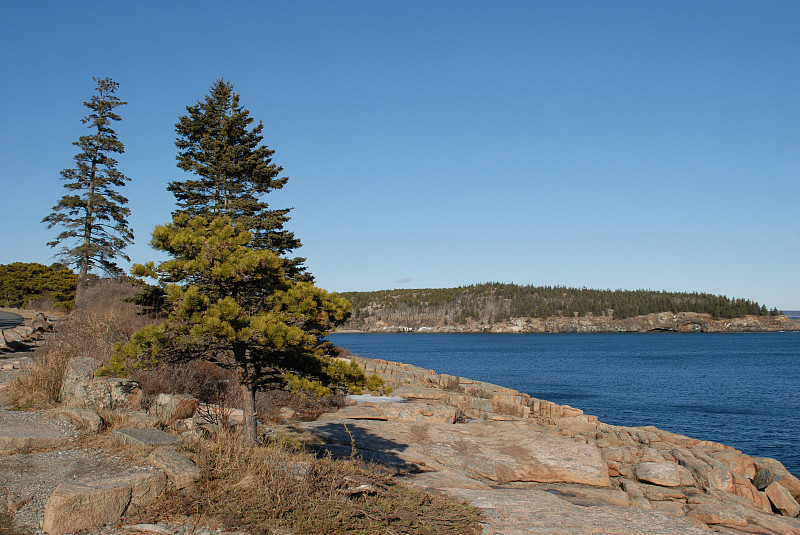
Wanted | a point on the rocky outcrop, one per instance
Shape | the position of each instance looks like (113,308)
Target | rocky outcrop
(658,322)
(27,335)
(474,399)
(533,466)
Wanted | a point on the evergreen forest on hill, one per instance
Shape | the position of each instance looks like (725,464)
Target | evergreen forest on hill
(24,284)
(497,302)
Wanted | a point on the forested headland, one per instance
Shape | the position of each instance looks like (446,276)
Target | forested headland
(492,303)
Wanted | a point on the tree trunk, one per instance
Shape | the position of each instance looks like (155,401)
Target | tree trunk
(249,410)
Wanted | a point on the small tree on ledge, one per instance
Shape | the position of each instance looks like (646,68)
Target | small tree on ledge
(235,306)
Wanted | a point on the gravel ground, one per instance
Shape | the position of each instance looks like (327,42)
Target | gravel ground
(35,475)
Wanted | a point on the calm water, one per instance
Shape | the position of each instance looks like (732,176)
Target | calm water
(739,389)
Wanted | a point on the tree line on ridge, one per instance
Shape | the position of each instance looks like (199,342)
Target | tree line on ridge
(497,302)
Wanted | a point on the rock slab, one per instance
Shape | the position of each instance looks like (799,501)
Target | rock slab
(145,437)
(181,470)
(88,503)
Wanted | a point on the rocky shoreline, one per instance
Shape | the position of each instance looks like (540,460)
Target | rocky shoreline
(27,335)
(529,465)
(532,466)
(682,322)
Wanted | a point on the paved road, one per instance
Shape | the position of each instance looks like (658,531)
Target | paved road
(9,320)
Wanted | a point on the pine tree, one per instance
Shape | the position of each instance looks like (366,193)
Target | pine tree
(232,170)
(233,297)
(234,305)
(94,214)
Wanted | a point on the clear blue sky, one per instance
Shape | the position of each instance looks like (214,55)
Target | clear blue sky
(618,144)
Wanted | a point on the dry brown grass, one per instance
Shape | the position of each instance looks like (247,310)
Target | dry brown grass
(277,488)
(102,321)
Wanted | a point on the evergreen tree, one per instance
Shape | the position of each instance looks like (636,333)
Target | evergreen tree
(234,305)
(233,297)
(21,283)
(93,215)
(232,170)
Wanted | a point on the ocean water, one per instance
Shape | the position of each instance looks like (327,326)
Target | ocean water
(740,389)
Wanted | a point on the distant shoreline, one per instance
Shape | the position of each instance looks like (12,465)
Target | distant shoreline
(664,322)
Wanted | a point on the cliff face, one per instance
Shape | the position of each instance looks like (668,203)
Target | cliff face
(661,322)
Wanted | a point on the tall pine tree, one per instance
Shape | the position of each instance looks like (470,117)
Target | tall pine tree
(93,215)
(232,171)
(232,296)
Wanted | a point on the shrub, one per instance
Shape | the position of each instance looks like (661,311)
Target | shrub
(37,286)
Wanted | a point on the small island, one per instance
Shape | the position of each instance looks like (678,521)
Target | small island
(512,308)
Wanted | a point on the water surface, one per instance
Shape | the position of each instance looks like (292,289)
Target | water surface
(741,389)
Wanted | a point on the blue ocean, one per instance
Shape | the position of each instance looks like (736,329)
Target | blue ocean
(740,389)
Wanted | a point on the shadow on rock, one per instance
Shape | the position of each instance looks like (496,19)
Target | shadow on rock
(344,440)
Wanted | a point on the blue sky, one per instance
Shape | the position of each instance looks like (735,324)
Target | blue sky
(618,144)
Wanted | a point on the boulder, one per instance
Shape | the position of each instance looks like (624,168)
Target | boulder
(108,394)
(658,473)
(146,486)
(651,455)
(170,407)
(782,499)
(709,473)
(82,418)
(635,493)
(133,419)
(738,462)
(504,452)
(181,470)
(412,393)
(40,323)
(613,453)
(89,503)
(763,478)
(669,507)
(78,369)
(13,339)
(787,480)
(77,505)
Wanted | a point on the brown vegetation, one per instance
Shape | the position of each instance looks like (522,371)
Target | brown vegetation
(102,320)
(264,488)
